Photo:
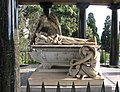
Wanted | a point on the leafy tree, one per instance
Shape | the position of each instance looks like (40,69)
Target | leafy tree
(105,38)
(32,14)
(102,57)
(21,21)
(67,15)
(28,19)
(119,40)
(92,26)
(89,32)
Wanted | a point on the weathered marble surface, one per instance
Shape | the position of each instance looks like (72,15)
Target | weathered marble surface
(51,48)
(50,55)
(42,38)
(88,65)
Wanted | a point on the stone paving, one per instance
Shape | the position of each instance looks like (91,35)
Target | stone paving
(111,74)
(25,73)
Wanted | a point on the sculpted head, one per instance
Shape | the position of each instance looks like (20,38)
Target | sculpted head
(85,50)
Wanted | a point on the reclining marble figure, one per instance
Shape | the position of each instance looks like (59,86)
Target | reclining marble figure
(48,31)
(42,38)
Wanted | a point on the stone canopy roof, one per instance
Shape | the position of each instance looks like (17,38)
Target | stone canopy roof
(92,2)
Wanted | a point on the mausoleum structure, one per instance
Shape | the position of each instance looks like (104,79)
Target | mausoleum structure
(114,5)
(78,58)
(67,59)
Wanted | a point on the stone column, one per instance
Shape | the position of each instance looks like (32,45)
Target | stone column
(114,50)
(0,45)
(46,7)
(8,51)
(5,27)
(82,19)
(15,47)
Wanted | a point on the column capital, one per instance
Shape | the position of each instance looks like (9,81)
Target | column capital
(46,7)
(46,4)
(82,5)
(114,6)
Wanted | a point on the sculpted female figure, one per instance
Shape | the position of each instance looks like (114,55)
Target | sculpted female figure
(88,65)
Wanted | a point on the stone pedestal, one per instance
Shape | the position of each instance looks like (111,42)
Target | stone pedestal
(51,77)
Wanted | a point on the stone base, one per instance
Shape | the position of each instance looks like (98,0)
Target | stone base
(51,77)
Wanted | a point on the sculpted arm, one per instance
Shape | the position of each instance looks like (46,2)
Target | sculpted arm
(84,59)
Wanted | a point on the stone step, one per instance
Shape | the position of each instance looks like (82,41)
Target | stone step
(52,77)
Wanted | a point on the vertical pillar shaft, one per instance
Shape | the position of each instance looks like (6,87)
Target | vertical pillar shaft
(8,50)
(82,24)
(0,45)
(114,50)
(16,40)
(15,46)
(82,19)
(46,7)
(4,46)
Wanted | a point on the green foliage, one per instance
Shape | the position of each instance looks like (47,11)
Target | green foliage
(28,18)
(119,41)
(105,38)
(21,21)
(104,56)
(31,10)
(67,15)
(89,33)
(25,59)
(32,15)
(92,26)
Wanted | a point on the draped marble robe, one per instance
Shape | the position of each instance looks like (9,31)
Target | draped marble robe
(88,65)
